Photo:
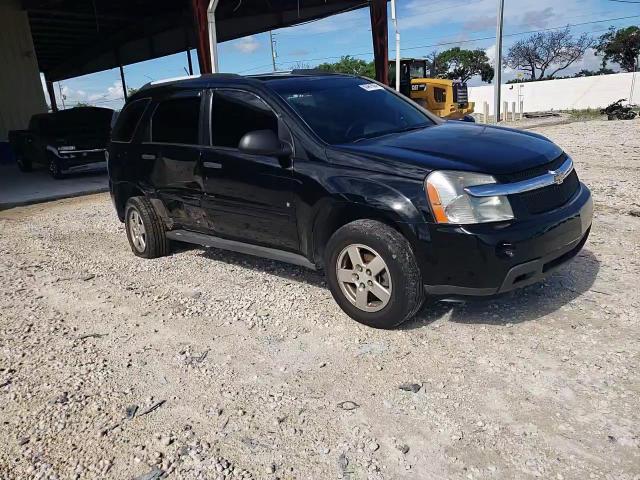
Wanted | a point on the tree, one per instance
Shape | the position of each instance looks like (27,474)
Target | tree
(621,47)
(459,64)
(544,51)
(131,91)
(350,65)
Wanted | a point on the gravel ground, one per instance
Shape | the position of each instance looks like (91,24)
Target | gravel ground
(208,364)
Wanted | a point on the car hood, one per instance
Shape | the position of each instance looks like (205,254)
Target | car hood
(457,146)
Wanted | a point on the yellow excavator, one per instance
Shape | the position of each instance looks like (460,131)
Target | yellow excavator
(445,98)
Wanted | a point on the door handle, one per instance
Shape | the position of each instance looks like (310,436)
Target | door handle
(148,156)
(212,165)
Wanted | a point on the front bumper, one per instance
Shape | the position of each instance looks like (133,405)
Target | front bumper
(496,258)
(76,161)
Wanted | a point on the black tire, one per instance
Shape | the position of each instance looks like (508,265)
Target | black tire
(54,167)
(156,243)
(407,292)
(24,164)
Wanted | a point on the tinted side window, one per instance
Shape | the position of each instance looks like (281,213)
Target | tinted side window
(176,121)
(128,120)
(235,113)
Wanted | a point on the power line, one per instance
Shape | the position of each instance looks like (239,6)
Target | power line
(515,34)
(569,25)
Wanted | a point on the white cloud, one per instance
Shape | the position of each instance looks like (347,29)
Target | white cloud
(114,92)
(246,44)
(537,18)
(480,15)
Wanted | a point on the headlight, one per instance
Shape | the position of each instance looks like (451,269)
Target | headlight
(451,204)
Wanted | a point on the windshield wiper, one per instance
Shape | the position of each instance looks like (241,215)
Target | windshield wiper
(390,132)
(413,127)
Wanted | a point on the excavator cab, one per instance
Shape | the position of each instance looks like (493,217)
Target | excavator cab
(445,98)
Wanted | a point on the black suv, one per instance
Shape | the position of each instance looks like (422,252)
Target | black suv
(341,173)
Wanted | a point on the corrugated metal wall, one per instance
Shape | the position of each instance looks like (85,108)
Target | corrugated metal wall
(21,93)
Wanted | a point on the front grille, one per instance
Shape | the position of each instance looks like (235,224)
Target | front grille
(548,198)
(532,172)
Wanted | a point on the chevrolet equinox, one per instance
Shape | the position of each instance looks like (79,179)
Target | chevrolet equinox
(341,173)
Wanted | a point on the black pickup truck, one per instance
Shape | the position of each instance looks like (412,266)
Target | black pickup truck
(67,141)
(341,173)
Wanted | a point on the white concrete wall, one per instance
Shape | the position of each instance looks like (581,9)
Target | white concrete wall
(566,94)
(21,93)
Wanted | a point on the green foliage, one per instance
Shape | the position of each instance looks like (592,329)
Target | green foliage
(593,73)
(620,46)
(351,66)
(584,114)
(82,104)
(131,91)
(460,64)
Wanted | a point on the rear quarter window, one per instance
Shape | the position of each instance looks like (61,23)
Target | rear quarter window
(128,120)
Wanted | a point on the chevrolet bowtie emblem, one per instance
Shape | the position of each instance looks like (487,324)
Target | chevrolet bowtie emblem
(558,177)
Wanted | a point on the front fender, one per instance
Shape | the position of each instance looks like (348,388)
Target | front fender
(394,198)
(395,202)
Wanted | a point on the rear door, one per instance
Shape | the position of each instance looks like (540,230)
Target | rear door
(172,155)
(247,197)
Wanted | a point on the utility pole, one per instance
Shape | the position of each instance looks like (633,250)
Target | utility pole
(273,50)
(394,17)
(497,80)
(633,79)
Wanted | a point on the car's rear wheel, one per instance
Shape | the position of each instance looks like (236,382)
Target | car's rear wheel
(373,274)
(146,231)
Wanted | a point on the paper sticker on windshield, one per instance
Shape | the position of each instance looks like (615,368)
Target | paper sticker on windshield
(370,87)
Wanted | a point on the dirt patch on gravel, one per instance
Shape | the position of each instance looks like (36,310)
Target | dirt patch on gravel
(208,364)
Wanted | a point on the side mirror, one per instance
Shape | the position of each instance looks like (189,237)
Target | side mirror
(263,142)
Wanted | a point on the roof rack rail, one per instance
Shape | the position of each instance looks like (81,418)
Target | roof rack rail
(185,77)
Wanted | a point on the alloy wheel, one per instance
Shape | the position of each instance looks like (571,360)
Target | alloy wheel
(54,168)
(137,231)
(364,277)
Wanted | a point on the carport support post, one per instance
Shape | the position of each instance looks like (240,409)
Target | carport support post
(497,80)
(124,85)
(52,94)
(380,34)
(199,8)
(213,39)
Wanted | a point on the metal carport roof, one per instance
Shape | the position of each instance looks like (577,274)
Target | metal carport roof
(78,37)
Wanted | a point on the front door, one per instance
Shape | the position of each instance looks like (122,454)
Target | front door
(247,197)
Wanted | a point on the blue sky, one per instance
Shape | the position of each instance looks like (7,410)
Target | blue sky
(425,26)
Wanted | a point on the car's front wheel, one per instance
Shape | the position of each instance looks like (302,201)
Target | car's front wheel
(55,170)
(145,229)
(373,274)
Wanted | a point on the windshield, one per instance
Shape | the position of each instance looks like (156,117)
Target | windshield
(348,109)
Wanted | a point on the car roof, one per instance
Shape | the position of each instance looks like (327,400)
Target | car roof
(214,79)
